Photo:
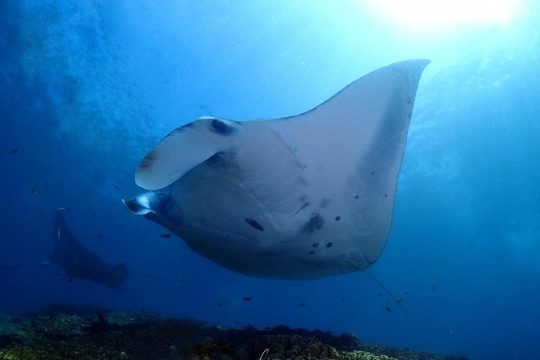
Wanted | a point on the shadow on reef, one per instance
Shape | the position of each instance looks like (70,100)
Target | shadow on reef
(117,335)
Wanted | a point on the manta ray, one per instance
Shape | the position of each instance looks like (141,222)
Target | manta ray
(79,262)
(301,197)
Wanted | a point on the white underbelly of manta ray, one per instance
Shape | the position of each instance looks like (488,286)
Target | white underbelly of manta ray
(302,197)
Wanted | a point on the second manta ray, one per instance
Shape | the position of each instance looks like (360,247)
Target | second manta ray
(301,197)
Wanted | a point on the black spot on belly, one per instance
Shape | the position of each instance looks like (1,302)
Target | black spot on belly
(338,218)
(311,252)
(356,196)
(315,244)
(315,222)
(385,195)
(221,127)
(329,245)
(254,224)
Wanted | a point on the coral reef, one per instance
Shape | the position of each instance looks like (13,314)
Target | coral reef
(130,336)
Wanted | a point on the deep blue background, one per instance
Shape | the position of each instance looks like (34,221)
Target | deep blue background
(87,87)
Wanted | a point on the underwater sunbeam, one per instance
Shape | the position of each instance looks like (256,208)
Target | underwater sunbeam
(444,16)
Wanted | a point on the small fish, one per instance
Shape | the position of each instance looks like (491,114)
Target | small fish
(247,298)
(302,305)
(165,235)
(99,236)
(434,287)
(342,299)
(34,191)
(388,309)
(399,301)
(14,151)
(70,280)
(115,186)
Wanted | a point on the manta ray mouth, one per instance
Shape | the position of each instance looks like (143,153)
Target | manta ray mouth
(139,205)
(157,206)
(151,202)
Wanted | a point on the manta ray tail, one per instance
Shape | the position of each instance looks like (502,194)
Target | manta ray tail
(399,302)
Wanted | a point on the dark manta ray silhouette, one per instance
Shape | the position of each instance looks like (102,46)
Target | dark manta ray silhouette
(81,263)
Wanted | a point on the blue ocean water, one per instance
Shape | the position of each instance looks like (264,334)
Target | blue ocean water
(88,87)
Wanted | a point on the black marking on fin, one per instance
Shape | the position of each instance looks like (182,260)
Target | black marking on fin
(221,127)
(338,218)
(148,160)
(254,224)
(315,222)
(329,245)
